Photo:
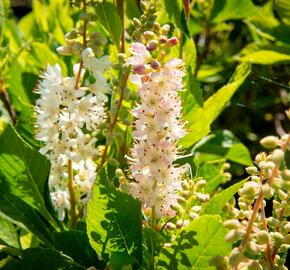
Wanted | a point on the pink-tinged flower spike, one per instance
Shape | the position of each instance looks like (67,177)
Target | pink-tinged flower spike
(158,126)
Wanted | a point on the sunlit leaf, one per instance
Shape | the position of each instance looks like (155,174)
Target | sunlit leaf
(203,239)
(200,119)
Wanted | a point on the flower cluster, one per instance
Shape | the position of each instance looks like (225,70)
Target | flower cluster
(66,116)
(158,124)
(260,236)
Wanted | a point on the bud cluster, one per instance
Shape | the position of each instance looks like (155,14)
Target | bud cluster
(146,21)
(259,236)
(80,37)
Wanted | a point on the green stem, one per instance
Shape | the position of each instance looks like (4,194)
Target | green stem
(73,216)
(152,226)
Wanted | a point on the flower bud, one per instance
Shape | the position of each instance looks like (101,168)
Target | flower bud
(196,208)
(140,69)
(268,191)
(278,156)
(252,247)
(136,22)
(252,170)
(193,215)
(170,226)
(286,239)
(232,224)
(286,175)
(152,46)
(255,178)
(254,265)
(64,50)
(155,64)
(287,112)
(285,137)
(180,199)
(165,29)
(250,189)
(202,197)
(227,176)
(179,223)
(263,237)
(277,238)
(282,195)
(163,39)
(77,47)
(172,42)
(185,194)
(156,27)
(233,235)
(272,222)
(177,207)
(269,142)
(201,183)
(119,173)
(185,185)
(71,35)
(149,35)
(235,256)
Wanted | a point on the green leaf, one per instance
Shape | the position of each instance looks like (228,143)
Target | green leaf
(25,125)
(119,261)
(76,245)
(110,20)
(202,240)
(215,205)
(278,55)
(194,87)
(174,9)
(25,170)
(8,233)
(44,259)
(189,51)
(114,221)
(224,10)
(40,55)
(223,144)
(22,214)
(212,173)
(265,24)
(283,9)
(200,119)
(132,9)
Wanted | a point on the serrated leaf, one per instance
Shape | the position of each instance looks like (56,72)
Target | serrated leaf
(44,259)
(110,20)
(114,221)
(224,10)
(215,205)
(24,170)
(202,240)
(76,245)
(200,119)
